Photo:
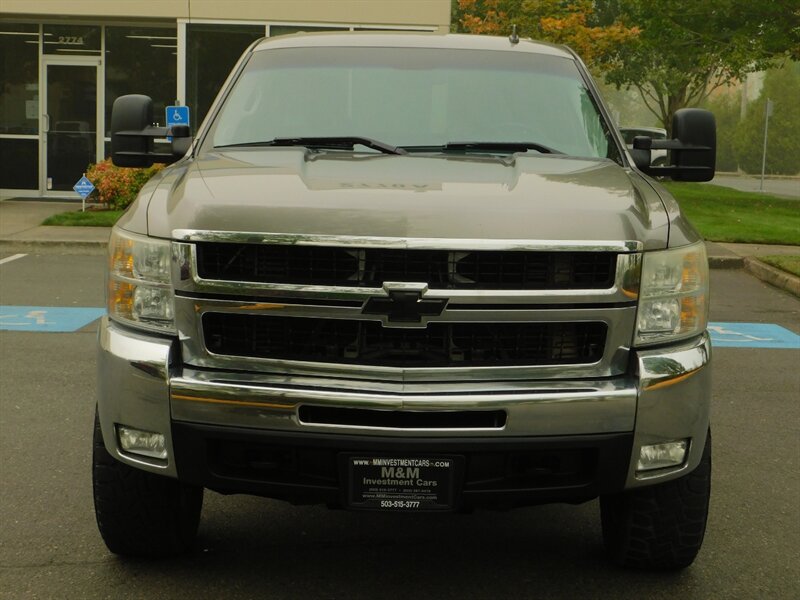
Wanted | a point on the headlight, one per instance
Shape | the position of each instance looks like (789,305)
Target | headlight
(139,290)
(673,298)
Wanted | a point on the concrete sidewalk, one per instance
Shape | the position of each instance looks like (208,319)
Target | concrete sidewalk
(21,231)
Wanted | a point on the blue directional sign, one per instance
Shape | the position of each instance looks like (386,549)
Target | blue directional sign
(84,187)
(752,335)
(177,115)
(47,318)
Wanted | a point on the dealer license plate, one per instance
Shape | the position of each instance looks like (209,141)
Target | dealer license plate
(398,483)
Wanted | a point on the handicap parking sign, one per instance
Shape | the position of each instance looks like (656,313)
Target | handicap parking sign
(177,115)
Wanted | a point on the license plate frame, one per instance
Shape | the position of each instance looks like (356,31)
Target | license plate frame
(402,483)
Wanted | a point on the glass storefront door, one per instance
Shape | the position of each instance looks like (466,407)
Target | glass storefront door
(72,111)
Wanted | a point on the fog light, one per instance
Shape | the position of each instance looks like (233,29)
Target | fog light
(659,456)
(145,443)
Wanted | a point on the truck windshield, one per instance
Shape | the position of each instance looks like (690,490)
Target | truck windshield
(415,98)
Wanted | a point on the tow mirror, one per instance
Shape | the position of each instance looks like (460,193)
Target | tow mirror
(692,151)
(133,134)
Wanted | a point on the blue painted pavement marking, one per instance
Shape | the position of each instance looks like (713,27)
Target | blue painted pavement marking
(752,335)
(47,318)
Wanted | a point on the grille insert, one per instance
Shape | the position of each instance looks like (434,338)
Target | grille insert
(369,343)
(403,419)
(370,267)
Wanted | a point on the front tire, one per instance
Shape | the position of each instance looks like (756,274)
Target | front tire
(140,513)
(661,526)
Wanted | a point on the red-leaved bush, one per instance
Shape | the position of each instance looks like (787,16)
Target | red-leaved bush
(117,187)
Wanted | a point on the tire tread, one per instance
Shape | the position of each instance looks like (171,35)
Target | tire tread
(140,513)
(659,527)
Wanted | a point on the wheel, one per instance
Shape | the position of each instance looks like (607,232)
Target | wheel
(662,526)
(140,513)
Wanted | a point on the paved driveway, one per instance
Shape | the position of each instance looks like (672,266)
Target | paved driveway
(254,548)
(780,187)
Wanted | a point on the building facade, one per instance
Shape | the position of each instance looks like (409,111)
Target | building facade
(63,63)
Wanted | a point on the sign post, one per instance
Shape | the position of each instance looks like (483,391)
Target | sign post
(83,187)
(768,114)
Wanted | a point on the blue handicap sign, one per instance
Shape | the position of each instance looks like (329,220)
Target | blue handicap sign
(47,318)
(84,187)
(177,115)
(752,335)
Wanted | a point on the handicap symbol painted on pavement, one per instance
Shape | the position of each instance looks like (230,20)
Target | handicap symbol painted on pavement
(752,335)
(47,318)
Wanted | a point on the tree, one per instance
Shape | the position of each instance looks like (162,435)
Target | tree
(727,110)
(572,23)
(674,53)
(688,48)
(782,86)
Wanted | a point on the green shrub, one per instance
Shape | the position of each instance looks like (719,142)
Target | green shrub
(117,187)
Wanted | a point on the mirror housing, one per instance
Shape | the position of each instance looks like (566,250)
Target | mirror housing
(132,134)
(641,157)
(693,149)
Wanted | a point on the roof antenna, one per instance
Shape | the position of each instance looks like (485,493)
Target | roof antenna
(513,38)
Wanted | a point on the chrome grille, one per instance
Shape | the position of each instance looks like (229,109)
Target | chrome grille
(371,267)
(363,342)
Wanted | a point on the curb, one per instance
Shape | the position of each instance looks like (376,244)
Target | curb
(53,246)
(726,262)
(769,274)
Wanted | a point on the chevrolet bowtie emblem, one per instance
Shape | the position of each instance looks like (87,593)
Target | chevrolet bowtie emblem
(405,303)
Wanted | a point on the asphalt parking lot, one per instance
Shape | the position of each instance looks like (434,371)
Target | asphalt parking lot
(250,547)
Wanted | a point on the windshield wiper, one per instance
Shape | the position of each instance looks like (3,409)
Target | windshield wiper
(486,147)
(339,143)
(501,147)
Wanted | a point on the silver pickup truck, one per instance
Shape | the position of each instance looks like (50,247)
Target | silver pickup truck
(407,273)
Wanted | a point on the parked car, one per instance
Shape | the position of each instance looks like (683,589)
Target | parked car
(405,272)
(657,157)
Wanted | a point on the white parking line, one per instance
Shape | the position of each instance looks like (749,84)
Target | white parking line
(8,259)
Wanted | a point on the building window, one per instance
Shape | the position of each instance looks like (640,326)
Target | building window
(71,39)
(141,60)
(211,53)
(19,106)
(288,29)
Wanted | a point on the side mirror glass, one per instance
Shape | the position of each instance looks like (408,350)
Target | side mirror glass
(131,113)
(697,128)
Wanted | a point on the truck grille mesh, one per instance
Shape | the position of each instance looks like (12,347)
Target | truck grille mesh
(371,267)
(437,345)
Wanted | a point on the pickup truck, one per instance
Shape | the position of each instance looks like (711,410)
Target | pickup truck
(406,272)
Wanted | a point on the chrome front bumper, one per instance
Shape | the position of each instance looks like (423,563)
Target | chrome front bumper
(142,384)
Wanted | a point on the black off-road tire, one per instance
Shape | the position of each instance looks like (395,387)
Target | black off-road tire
(140,513)
(659,527)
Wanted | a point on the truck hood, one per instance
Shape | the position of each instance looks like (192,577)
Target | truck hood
(294,191)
